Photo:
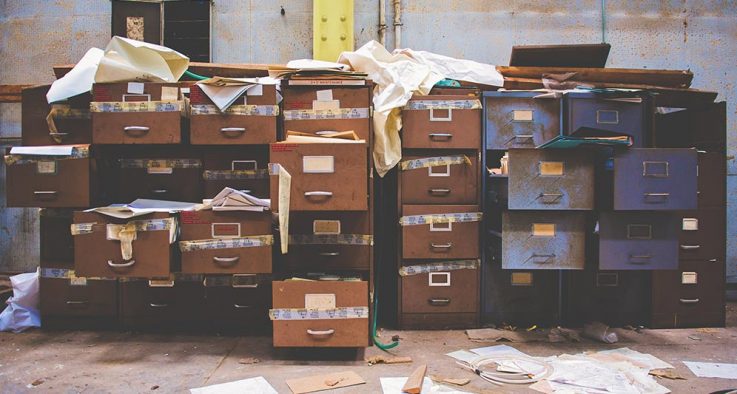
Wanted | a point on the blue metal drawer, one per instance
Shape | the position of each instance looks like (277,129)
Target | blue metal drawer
(519,119)
(638,240)
(551,179)
(655,179)
(628,113)
(543,240)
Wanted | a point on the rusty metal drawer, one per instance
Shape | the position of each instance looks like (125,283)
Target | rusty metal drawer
(437,121)
(428,178)
(449,291)
(712,182)
(520,119)
(242,168)
(551,179)
(425,236)
(638,240)
(702,234)
(627,113)
(655,179)
(543,240)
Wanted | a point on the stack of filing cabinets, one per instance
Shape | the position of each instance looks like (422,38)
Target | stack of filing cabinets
(328,264)
(439,210)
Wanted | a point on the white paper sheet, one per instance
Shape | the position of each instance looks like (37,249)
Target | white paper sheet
(51,150)
(142,207)
(644,359)
(235,200)
(497,350)
(712,370)
(257,385)
(458,69)
(224,91)
(462,355)
(78,80)
(310,64)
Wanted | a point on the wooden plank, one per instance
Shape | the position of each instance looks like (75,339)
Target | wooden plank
(571,55)
(414,381)
(11,93)
(666,78)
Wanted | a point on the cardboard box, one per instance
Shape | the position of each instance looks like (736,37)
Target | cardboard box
(442,125)
(251,119)
(219,230)
(70,118)
(350,109)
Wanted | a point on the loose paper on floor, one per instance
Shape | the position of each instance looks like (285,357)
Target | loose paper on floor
(712,370)
(394,386)
(257,385)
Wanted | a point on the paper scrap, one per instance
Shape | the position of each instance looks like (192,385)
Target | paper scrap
(381,359)
(257,385)
(669,373)
(494,335)
(311,384)
(169,93)
(496,350)
(712,370)
(643,360)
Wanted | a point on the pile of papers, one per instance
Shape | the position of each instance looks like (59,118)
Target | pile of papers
(235,200)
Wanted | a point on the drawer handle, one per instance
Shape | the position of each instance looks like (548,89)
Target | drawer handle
(226,260)
(121,265)
(689,300)
(159,191)
(712,260)
(662,197)
(527,137)
(319,194)
(690,247)
(80,303)
(320,333)
(139,130)
(441,246)
(439,191)
(446,136)
(61,135)
(239,306)
(556,197)
(238,130)
(439,301)
(640,258)
(329,254)
(152,305)
(547,256)
(48,194)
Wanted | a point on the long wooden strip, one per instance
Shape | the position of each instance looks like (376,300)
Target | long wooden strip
(11,93)
(666,78)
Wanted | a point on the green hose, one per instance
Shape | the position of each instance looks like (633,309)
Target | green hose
(194,76)
(373,329)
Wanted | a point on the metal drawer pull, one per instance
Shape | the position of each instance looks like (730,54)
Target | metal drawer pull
(159,191)
(239,306)
(441,246)
(226,260)
(77,303)
(59,134)
(318,194)
(547,256)
(320,333)
(439,191)
(439,301)
(690,247)
(239,130)
(556,197)
(329,254)
(527,137)
(152,305)
(136,129)
(45,193)
(656,194)
(440,135)
(640,258)
(712,260)
(121,265)
(689,300)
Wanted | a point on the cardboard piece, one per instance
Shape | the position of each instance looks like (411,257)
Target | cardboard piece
(413,385)
(381,359)
(311,384)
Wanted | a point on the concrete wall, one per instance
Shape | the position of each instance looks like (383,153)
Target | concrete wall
(686,34)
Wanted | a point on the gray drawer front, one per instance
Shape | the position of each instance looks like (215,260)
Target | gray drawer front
(518,120)
(551,179)
(655,179)
(543,240)
(612,114)
(638,240)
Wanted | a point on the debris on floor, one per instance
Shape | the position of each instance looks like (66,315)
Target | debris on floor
(257,385)
(667,374)
(382,359)
(495,335)
(413,385)
(560,334)
(249,360)
(311,384)
(712,370)
(454,381)
(600,332)
(394,386)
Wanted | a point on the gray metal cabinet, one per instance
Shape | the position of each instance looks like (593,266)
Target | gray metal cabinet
(638,240)
(551,179)
(625,113)
(520,119)
(655,179)
(543,240)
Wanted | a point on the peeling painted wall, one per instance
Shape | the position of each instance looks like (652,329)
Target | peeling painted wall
(686,34)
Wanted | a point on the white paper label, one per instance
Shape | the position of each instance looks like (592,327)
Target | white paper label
(323,105)
(135,87)
(318,164)
(326,226)
(319,301)
(690,224)
(522,115)
(689,278)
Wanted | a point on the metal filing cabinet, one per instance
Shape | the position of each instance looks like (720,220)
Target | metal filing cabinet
(520,119)
(638,240)
(543,240)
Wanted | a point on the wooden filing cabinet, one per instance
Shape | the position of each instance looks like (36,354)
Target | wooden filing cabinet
(459,240)
(69,302)
(455,183)
(427,124)
(70,118)
(241,168)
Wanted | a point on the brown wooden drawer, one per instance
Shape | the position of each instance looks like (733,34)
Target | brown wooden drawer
(702,234)
(56,239)
(325,177)
(71,118)
(95,298)
(322,332)
(324,241)
(712,182)
(225,227)
(160,179)
(146,125)
(444,184)
(298,106)
(453,291)
(96,256)
(209,126)
(61,183)
(440,128)
(458,240)
(144,303)
(238,302)
(241,168)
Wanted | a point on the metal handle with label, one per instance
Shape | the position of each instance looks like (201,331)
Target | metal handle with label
(439,191)
(318,194)
(329,254)
(77,303)
(136,129)
(226,260)
(550,198)
(232,130)
(320,333)
(439,301)
(45,193)
(239,306)
(690,247)
(121,265)
(448,118)
(441,246)
(446,136)
(689,300)
(152,305)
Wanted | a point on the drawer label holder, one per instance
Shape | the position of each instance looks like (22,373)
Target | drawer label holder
(462,217)
(352,312)
(136,106)
(439,267)
(160,163)
(434,162)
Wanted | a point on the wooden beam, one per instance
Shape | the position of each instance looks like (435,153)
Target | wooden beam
(11,93)
(665,78)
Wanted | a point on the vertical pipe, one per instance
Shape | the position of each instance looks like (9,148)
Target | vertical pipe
(603,21)
(382,22)
(397,24)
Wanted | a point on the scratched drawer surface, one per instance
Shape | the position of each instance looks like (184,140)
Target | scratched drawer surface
(430,178)
(638,240)
(543,240)
(437,121)
(437,240)
(450,291)
(520,119)
(551,179)
(625,113)
(655,179)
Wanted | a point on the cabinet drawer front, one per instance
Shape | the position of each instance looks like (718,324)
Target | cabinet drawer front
(546,179)
(97,298)
(712,184)
(638,241)
(57,243)
(448,241)
(181,184)
(66,185)
(325,177)
(518,120)
(702,234)
(617,298)
(223,261)
(137,128)
(446,184)
(441,128)
(182,302)
(521,297)
(232,129)
(696,288)
(362,126)
(220,163)
(441,292)
(655,179)
(298,98)
(242,307)
(72,128)
(543,240)
(611,114)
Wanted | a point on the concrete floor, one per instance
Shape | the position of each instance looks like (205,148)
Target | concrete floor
(76,361)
